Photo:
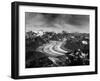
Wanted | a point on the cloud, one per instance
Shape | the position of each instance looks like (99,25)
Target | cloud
(58,21)
(79,20)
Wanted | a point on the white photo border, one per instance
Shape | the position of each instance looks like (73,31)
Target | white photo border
(54,70)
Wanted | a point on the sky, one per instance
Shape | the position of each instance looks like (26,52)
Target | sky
(56,22)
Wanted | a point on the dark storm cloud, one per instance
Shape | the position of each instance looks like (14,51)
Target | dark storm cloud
(50,19)
(56,20)
(79,20)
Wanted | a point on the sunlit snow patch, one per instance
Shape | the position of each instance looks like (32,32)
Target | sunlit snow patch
(84,42)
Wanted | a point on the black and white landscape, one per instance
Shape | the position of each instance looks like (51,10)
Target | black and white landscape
(54,40)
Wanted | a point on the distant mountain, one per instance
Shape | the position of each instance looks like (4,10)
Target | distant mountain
(39,32)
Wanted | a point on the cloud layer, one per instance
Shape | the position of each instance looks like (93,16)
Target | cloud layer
(56,22)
